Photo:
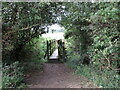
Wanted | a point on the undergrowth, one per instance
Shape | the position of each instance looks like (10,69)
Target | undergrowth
(34,52)
(31,58)
(104,78)
(12,76)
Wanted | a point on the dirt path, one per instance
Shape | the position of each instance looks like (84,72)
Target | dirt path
(57,76)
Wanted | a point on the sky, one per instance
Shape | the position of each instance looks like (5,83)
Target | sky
(55,35)
(55,27)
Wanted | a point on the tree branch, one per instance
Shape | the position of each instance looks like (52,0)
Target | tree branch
(23,29)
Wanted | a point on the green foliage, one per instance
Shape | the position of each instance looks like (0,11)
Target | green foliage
(21,22)
(93,37)
(22,25)
(13,76)
(73,60)
(34,53)
(104,50)
(102,78)
(92,33)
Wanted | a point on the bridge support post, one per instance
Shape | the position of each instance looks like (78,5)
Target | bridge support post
(47,50)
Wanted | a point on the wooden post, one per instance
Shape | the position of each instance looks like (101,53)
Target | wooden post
(50,47)
(47,50)
(58,50)
(53,46)
(63,46)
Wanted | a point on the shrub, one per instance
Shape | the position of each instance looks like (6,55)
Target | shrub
(97,42)
(104,78)
(13,76)
(33,54)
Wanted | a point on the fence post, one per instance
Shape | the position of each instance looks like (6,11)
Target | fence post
(63,47)
(50,47)
(58,50)
(47,50)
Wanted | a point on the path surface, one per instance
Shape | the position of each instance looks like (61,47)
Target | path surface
(56,76)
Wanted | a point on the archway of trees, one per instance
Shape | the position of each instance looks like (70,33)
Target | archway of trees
(92,38)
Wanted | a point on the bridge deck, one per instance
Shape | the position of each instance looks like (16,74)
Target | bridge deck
(54,55)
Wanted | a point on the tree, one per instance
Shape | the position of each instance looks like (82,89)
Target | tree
(23,21)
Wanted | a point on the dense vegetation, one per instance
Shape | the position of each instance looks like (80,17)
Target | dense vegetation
(92,39)
(23,24)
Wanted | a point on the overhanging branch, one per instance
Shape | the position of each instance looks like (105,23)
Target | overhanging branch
(23,29)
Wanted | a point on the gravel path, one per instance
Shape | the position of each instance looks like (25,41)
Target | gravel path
(57,76)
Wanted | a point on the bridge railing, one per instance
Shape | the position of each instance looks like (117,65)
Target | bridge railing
(51,46)
(61,51)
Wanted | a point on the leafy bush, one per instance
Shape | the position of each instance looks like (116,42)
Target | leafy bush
(13,76)
(93,36)
(33,53)
(73,60)
(104,78)
(104,50)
